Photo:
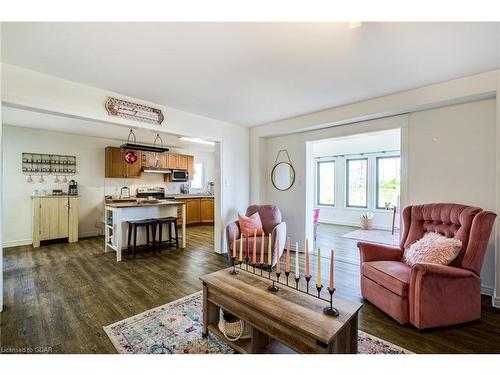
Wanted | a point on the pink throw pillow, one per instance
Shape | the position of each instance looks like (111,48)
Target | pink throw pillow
(250,224)
(433,248)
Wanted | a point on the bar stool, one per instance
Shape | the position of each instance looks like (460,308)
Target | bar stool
(132,227)
(169,221)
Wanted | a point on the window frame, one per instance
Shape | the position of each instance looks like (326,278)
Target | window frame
(201,178)
(318,203)
(347,205)
(376,177)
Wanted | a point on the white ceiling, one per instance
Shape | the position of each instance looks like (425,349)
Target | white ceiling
(253,73)
(50,122)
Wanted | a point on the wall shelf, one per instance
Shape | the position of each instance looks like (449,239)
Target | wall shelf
(44,164)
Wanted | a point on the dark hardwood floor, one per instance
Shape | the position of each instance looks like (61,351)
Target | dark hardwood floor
(61,295)
(476,337)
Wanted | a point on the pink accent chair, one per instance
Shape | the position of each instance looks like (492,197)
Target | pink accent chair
(270,215)
(429,295)
(315,223)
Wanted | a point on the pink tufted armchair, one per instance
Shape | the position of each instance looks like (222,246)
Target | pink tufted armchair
(270,215)
(429,295)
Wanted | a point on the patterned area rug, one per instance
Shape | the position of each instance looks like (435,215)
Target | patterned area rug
(383,237)
(175,328)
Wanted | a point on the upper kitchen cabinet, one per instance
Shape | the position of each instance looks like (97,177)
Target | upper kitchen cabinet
(182,162)
(117,167)
(177,161)
(190,166)
(154,160)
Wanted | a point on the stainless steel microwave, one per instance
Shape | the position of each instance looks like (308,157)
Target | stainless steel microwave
(179,175)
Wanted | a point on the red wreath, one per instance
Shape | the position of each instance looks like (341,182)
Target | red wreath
(130,157)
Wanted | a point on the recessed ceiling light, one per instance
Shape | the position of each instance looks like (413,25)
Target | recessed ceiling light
(196,140)
(354,25)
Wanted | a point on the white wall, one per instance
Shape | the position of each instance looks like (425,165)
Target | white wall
(297,203)
(32,90)
(92,185)
(451,157)
(387,141)
(443,170)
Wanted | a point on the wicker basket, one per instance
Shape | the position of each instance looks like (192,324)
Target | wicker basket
(233,331)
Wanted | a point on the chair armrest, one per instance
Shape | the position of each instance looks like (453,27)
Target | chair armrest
(370,252)
(232,232)
(443,295)
(432,269)
(279,232)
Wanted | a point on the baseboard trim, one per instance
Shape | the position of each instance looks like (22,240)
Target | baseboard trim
(487,290)
(352,224)
(496,302)
(29,241)
(14,243)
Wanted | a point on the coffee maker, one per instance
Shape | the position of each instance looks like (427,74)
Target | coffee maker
(73,188)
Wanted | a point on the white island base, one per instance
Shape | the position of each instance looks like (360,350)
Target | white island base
(116,216)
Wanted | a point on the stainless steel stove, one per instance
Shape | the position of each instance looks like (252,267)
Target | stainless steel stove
(154,192)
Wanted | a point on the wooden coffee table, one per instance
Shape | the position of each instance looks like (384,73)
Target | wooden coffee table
(281,322)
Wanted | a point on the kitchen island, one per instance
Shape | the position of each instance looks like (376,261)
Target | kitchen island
(117,214)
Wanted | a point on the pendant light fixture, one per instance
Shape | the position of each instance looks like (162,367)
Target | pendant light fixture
(142,147)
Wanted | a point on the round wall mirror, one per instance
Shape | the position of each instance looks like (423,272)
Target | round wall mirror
(283,176)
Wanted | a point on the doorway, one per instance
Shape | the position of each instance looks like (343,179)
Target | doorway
(355,195)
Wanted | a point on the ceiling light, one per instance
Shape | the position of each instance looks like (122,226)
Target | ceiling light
(196,140)
(354,25)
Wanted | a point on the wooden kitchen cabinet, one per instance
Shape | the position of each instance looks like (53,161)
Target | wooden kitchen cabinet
(117,167)
(149,160)
(177,161)
(173,161)
(193,214)
(182,162)
(207,210)
(55,217)
(198,211)
(190,166)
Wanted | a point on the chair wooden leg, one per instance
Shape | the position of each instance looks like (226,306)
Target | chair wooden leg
(129,242)
(160,234)
(147,237)
(169,234)
(176,234)
(153,231)
(135,241)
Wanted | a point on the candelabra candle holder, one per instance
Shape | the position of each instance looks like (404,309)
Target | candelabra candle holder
(270,270)
(246,262)
(240,262)
(318,288)
(253,266)
(261,265)
(233,264)
(331,310)
(308,278)
(297,279)
(274,288)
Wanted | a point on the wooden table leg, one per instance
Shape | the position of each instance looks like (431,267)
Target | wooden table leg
(346,340)
(210,312)
(259,341)
(353,334)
